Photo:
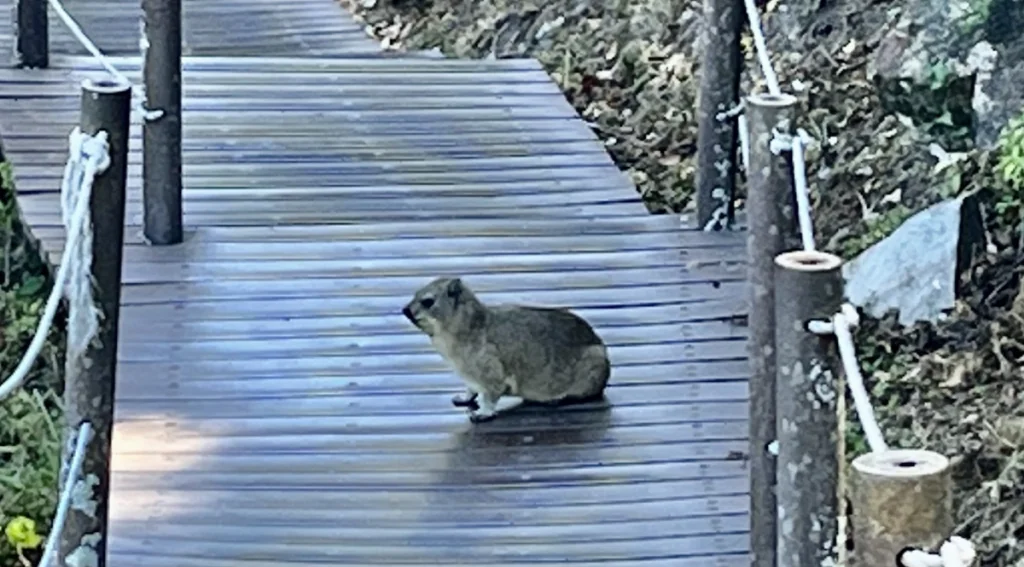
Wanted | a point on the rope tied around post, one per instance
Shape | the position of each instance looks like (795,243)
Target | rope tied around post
(840,325)
(954,552)
(88,157)
(782,141)
(742,129)
(886,474)
(76,30)
(73,472)
(733,112)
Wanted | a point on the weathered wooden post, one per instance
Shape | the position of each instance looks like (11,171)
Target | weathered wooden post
(808,287)
(772,229)
(32,34)
(161,149)
(719,92)
(89,381)
(901,498)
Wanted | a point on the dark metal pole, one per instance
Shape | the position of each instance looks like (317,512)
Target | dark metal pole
(719,92)
(32,34)
(901,498)
(809,286)
(89,383)
(161,159)
(769,193)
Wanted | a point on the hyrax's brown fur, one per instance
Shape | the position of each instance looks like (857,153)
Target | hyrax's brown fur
(538,354)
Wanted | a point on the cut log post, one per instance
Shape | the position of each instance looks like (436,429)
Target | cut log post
(89,381)
(719,92)
(900,498)
(772,230)
(161,150)
(32,34)
(808,287)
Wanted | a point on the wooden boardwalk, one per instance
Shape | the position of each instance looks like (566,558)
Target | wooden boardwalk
(273,406)
(216,27)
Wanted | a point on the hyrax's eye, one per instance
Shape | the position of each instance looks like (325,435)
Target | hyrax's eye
(427,303)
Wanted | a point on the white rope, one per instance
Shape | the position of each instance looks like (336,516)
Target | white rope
(76,30)
(88,157)
(955,552)
(83,320)
(761,47)
(737,112)
(741,124)
(74,470)
(840,326)
(732,112)
(803,201)
(796,144)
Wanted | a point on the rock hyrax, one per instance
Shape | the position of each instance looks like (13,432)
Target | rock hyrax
(542,355)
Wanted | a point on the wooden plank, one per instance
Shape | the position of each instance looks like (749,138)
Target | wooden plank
(705,507)
(381,344)
(483,553)
(510,230)
(339,328)
(421,478)
(725,558)
(355,537)
(282,451)
(631,385)
(319,402)
(347,206)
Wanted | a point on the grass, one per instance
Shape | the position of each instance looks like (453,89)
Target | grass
(30,419)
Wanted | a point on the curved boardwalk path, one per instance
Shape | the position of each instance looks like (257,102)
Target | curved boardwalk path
(216,27)
(273,407)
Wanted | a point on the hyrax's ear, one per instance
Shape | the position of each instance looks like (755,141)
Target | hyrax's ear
(454,290)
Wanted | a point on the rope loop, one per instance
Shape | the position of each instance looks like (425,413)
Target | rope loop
(954,552)
(89,156)
(784,142)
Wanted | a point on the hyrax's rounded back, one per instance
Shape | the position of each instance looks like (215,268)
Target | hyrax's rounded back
(553,353)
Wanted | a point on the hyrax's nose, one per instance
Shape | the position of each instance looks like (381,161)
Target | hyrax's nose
(407,312)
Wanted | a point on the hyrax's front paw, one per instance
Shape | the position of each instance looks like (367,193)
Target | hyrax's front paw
(465,400)
(478,416)
(487,409)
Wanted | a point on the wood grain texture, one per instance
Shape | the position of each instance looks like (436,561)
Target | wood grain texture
(223,27)
(274,408)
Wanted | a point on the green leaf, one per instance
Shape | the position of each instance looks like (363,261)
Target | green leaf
(30,287)
(21,533)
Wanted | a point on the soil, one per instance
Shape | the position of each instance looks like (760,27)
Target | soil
(630,67)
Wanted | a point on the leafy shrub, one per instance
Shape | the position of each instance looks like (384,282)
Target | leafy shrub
(30,418)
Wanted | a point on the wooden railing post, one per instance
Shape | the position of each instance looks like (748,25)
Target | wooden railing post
(161,149)
(32,34)
(808,287)
(719,92)
(769,193)
(901,498)
(89,382)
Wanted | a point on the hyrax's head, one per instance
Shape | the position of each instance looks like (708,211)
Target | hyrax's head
(443,305)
